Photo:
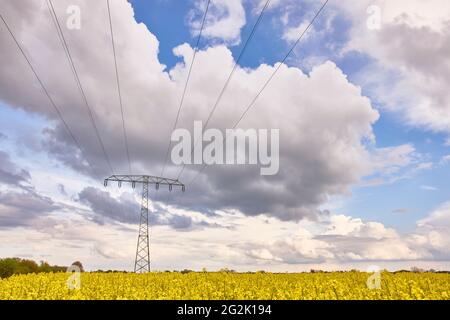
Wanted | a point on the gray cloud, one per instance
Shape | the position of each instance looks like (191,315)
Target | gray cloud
(9,173)
(323,118)
(346,239)
(181,222)
(126,209)
(22,208)
(104,206)
(429,107)
(412,64)
(223,23)
(62,189)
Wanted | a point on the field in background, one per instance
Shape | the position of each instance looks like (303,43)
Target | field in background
(225,285)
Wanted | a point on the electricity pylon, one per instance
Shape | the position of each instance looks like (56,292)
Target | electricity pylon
(142,261)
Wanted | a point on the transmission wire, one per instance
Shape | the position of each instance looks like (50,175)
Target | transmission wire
(268,80)
(78,82)
(227,82)
(186,85)
(125,137)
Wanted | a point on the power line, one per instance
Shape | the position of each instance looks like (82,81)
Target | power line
(118,87)
(237,63)
(252,103)
(186,84)
(77,79)
(55,23)
(52,102)
(227,82)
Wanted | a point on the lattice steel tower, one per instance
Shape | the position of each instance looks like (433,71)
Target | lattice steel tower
(142,261)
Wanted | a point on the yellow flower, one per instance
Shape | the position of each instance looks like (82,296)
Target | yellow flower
(226,285)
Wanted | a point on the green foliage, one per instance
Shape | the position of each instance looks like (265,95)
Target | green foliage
(185,271)
(11,266)
(226,270)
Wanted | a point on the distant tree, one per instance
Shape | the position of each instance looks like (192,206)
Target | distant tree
(316,271)
(79,265)
(45,267)
(226,270)
(28,266)
(10,266)
(185,271)
(58,268)
(7,267)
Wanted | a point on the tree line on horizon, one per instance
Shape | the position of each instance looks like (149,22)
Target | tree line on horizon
(11,266)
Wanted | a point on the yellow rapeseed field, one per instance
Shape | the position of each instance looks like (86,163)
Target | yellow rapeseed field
(225,285)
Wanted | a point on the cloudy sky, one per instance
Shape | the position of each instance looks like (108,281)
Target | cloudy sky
(362,105)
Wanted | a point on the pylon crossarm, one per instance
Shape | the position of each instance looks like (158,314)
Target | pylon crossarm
(133,179)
